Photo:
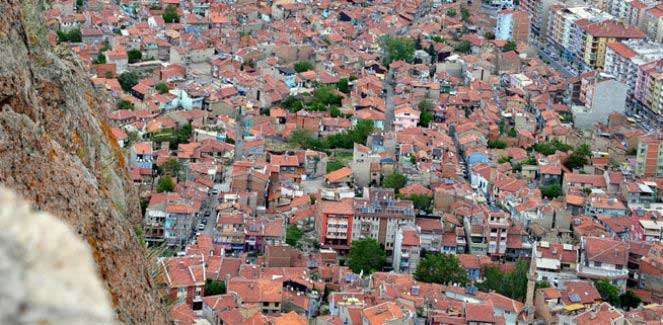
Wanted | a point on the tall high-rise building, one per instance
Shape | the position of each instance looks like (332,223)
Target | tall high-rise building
(512,25)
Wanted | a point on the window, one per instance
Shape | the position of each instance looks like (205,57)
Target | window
(181,295)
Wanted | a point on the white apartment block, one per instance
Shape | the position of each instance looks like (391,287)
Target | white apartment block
(623,59)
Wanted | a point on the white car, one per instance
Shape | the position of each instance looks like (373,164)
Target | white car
(201,227)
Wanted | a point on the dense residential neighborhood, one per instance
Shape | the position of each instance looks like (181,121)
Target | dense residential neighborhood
(373,162)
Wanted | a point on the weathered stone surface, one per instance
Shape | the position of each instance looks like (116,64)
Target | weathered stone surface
(47,273)
(57,151)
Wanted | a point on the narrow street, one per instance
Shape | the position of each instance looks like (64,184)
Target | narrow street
(389,101)
(388,84)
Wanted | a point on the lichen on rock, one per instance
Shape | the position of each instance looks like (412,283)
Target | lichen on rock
(56,153)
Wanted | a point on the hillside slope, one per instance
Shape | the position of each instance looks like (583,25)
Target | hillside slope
(57,151)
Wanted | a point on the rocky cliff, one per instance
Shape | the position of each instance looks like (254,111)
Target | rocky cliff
(57,151)
(27,296)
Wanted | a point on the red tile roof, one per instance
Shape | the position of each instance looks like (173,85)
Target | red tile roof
(622,50)
(610,29)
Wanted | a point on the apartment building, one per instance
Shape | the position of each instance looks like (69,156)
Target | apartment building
(649,159)
(561,26)
(630,12)
(648,91)
(230,227)
(653,22)
(594,36)
(335,224)
(623,59)
(169,219)
(407,248)
(599,95)
(184,278)
(512,25)
(538,12)
(603,258)
(499,224)
(379,214)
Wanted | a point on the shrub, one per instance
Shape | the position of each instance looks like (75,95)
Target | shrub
(165,184)
(134,55)
(170,15)
(303,66)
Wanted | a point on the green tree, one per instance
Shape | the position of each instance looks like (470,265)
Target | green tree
(504,159)
(125,104)
(609,293)
(426,108)
(512,284)
(422,202)
(293,103)
(464,14)
(303,66)
(542,284)
(437,39)
(162,88)
(127,80)
(515,282)
(530,161)
(366,255)
(101,59)
(335,112)
(509,46)
(549,148)
(327,96)
(502,126)
(629,300)
(463,47)
(134,55)
(396,181)
(397,48)
(496,144)
(343,85)
(165,184)
(301,137)
(73,36)
(441,268)
(133,137)
(333,165)
(214,287)
(512,132)
(578,158)
(293,235)
(451,12)
(171,167)
(551,191)
(489,35)
(493,278)
(184,133)
(170,15)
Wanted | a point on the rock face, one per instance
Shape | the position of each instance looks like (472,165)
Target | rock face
(35,244)
(57,151)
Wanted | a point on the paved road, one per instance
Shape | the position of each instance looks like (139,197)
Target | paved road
(389,101)
(555,63)
(388,84)
(239,135)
